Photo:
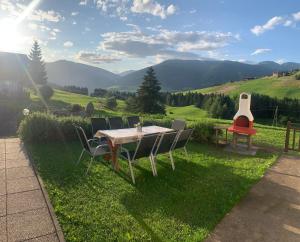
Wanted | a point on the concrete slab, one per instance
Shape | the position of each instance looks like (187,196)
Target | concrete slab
(2,205)
(19,172)
(47,238)
(270,211)
(241,149)
(17,163)
(28,225)
(3,237)
(22,184)
(24,201)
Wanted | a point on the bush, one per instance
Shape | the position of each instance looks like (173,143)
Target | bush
(203,131)
(297,76)
(46,92)
(111,102)
(89,110)
(44,127)
(76,108)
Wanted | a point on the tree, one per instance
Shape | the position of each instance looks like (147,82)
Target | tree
(37,68)
(148,95)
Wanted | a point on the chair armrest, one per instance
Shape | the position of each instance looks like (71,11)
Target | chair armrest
(93,140)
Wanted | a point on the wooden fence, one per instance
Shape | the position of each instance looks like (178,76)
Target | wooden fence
(292,137)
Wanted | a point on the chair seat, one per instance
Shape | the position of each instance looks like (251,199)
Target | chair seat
(100,151)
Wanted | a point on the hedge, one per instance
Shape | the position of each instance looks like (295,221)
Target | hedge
(43,127)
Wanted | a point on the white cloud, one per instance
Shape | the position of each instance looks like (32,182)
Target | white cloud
(193,11)
(74,13)
(287,21)
(152,7)
(68,44)
(296,16)
(260,29)
(113,8)
(260,51)
(15,10)
(280,61)
(96,58)
(83,2)
(171,44)
(74,22)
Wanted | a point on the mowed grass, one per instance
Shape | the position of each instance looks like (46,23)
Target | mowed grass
(180,205)
(275,87)
(189,113)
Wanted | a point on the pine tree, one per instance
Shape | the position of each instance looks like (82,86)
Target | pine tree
(148,95)
(37,68)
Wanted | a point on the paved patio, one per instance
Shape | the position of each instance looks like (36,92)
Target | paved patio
(270,211)
(25,212)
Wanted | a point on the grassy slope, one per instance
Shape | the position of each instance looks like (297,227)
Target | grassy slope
(274,87)
(184,204)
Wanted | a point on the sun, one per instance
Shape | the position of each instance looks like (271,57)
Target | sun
(11,38)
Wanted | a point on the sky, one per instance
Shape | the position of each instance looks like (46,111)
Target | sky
(121,35)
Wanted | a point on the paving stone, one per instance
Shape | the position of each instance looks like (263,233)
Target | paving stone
(2,175)
(28,225)
(16,156)
(24,201)
(2,188)
(3,237)
(17,163)
(2,164)
(19,172)
(13,140)
(47,238)
(22,184)
(3,205)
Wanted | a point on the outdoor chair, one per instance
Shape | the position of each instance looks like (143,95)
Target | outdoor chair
(182,140)
(99,150)
(115,123)
(165,145)
(99,124)
(132,121)
(178,124)
(144,148)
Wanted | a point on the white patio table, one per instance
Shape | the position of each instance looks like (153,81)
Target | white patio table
(116,137)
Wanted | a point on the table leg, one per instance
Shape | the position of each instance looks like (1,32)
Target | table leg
(226,136)
(114,156)
(217,137)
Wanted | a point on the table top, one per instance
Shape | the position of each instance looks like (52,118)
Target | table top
(122,136)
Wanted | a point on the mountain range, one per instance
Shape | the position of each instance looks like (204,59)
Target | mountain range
(173,75)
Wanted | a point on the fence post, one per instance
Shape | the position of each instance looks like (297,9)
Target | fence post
(287,136)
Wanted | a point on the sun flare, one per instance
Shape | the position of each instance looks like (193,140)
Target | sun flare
(11,37)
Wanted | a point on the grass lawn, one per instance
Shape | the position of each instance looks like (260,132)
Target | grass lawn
(182,205)
(189,113)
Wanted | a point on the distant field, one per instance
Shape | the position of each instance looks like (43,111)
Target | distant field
(188,113)
(271,86)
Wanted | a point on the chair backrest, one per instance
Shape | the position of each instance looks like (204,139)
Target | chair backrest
(183,138)
(178,124)
(115,123)
(145,146)
(132,121)
(166,142)
(82,137)
(98,124)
